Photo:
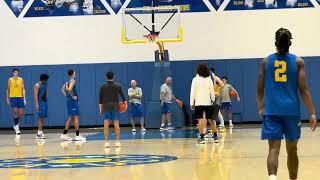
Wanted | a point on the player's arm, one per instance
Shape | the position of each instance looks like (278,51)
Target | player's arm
(122,95)
(192,95)
(63,90)
(260,87)
(218,81)
(237,94)
(8,91)
(23,92)
(130,93)
(35,95)
(163,93)
(139,95)
(70,89)
(305,93)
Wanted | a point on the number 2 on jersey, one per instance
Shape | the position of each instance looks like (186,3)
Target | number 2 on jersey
(280,72)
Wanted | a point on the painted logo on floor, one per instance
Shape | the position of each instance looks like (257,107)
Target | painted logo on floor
(83,161)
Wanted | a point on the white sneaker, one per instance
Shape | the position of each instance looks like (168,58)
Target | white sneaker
(133,130)
(65,137)
(118,144)
(143,130)
(40,136)
(80,138)
(107,144)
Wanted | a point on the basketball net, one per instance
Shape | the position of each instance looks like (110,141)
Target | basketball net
(151,37)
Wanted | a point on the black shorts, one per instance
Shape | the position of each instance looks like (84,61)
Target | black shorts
(210,111)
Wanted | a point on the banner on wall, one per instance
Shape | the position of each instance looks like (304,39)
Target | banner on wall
(267,4)
(216,3)
(16,6)
(45,8)
(186,5)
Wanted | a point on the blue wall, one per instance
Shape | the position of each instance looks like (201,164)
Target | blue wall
(242,75)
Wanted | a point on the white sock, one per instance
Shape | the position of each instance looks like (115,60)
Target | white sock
(272,177)
(221,119)
(230,121)
(39,132)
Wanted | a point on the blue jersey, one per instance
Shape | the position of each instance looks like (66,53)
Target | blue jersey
(75,91)
(281,95)
(42,93)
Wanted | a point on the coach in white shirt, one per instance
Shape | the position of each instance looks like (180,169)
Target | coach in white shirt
(202,98)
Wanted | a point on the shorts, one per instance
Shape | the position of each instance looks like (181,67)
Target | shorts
(73,108)
(43,110)
(210,111)
(17,102)
(226,106)
(275,127)
(111,116)
(136,110)
(166,108)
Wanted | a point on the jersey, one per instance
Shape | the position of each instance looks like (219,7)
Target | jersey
(75,90)
(42,93)
(15,86)
(281,95)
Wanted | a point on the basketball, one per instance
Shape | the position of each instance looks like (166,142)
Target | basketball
(232,94)
(179,102)
(123,107)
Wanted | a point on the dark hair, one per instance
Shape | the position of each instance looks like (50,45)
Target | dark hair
(15,69)
(225,77)
(70,72)
(44,77)
(110,75)
(283,40)
(212,69)
(203,70)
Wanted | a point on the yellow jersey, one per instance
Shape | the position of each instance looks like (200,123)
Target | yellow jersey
(216,88)
(15,86)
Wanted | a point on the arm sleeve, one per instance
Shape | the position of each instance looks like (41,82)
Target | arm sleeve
(192,93)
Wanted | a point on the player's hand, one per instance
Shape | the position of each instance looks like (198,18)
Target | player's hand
(313,122)
(75,98)
(37,108)
(261,112)
(192,107)
(25,102)
(8,101)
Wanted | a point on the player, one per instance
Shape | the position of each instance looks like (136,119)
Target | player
(218,84)
(109,107)
(281,79)
(135,106)
(40,100)
(69,90)
(16,98)
(166,97)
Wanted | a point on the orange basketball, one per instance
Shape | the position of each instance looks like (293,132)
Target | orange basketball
(232,94)
(123,107)
(179,102)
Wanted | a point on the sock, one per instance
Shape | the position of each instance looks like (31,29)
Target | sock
(272,177)
(230,121)
(65,131)
(77,132)
(202,136)
(16,120)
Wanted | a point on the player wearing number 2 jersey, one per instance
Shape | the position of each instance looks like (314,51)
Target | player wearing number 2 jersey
(281,79)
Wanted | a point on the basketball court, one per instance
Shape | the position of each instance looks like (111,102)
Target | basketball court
(168,155)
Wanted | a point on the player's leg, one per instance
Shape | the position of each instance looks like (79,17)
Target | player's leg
(292,161)
(229,110)
(117,131)
(200,116)
(64,135)
(76,120)
(142,124)
(132,110)
(169,116)
(164,111)
(106,133)
(221,120)
(15,112)
(273,158)
(42,114)
(140,115)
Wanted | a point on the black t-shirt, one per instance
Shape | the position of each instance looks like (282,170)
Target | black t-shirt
(109,96)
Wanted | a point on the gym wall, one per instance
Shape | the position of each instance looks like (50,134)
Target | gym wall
(231,41)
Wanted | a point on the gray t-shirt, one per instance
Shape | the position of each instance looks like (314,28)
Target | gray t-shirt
(167,90)
(224,92)
(136,91)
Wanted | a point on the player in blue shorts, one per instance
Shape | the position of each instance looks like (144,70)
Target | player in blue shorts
(70,91)
(40,100)
(281,78)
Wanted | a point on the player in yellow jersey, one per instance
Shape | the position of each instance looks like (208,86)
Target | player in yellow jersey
(16,98)
(217,87)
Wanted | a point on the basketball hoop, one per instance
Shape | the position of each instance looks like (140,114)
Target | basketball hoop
(151,37)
